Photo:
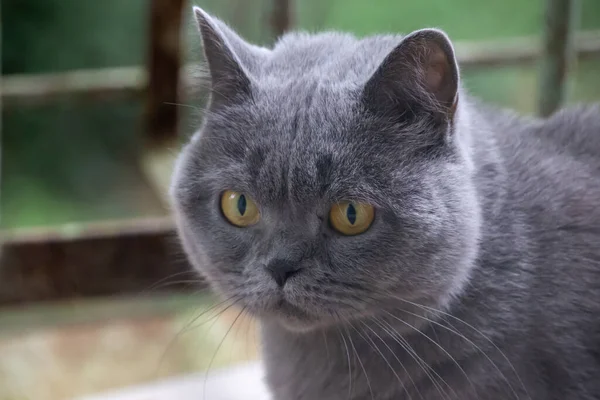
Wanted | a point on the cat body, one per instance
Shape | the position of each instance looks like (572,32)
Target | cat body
(478,276)
(526,326)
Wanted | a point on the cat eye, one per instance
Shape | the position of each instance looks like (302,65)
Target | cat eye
(351,218)
(239,209)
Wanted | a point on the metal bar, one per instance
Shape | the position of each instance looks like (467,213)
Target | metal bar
(92,260)
(558,53)
(164,64)
(281,17)
(19,90)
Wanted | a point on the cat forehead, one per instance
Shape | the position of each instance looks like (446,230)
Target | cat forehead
(294,111)
(296,156)
(312,96)
(292,138)
(305,125)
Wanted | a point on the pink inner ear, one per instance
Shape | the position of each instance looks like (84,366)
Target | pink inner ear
(437,68)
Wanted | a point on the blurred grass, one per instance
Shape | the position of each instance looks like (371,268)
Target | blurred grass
(69,349)
(69,162)
(74,161)
(98,310)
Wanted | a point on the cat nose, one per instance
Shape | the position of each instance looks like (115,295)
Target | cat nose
(281,270)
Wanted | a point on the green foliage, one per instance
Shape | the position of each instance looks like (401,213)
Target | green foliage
(58,35)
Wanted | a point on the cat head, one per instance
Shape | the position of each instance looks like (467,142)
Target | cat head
(330,179)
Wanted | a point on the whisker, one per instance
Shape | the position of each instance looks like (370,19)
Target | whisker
(427,369)
(171,283)
(349,365)
(190,324)
(437,345)
(360,362)
(151,287)
(217,350)
(474,345)
(437,338)
(374,347)
(255,341)
(184,105)
(236,335)
(186,328)
(426,308)
(247,336)
(414,355)
(326,345)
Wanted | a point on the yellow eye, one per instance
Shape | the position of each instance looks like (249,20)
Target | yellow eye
(351,218)
(239,209)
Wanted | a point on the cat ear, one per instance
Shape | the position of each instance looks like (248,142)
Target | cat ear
(229,79)
(420,74)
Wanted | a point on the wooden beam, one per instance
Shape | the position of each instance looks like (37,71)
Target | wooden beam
(281,17)
(558,53)
(80,260)
(161,118)
(519,51)
(164,64)
(95,84)
(19,90)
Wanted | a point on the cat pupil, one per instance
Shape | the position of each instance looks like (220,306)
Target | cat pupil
(242,205)
(351,213)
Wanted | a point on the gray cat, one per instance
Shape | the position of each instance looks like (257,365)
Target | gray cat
(395,239)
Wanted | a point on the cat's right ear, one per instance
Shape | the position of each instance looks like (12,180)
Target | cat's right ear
(228,77)
(420,75)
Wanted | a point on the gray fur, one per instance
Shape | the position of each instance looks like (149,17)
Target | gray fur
(492,218)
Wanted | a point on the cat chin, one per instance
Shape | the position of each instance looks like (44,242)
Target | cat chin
(298,325)
(289,317)
(293,318)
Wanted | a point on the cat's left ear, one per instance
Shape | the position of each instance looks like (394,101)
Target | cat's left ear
(420,74)
(229,59)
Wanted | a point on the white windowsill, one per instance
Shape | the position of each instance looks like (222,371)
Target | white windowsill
(244,382)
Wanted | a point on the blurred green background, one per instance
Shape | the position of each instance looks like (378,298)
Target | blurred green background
(75,161)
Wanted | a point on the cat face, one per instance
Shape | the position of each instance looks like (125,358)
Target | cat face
(310,201)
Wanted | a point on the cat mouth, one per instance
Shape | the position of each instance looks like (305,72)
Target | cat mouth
(283,311)
(290,315)
(288,309)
